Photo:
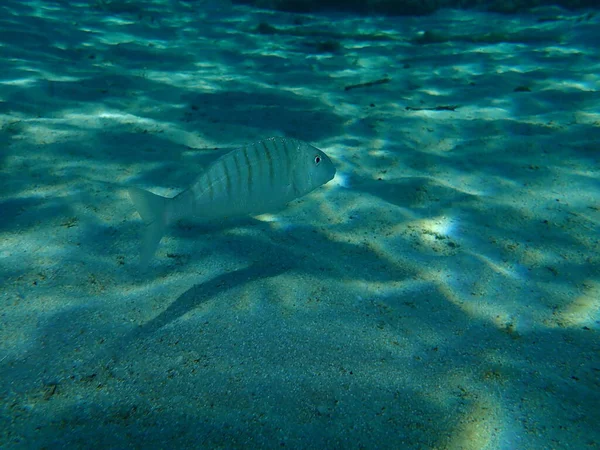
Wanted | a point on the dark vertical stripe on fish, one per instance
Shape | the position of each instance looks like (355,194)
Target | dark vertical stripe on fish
(287,162)
(238,177)
(227,178)
(201,187)
(249,166)
(209,185)
(258,176)
(278,161)
(270,162)
(219,179)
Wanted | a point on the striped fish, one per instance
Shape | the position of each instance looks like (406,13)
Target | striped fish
(258,178)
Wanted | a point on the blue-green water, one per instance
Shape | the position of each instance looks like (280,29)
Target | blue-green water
(441,292)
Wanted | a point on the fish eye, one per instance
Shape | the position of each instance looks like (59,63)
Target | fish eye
(317,160)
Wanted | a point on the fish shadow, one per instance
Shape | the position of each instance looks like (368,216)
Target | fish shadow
(269,254)
(201,293)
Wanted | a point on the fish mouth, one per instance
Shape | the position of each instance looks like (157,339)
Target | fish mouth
(330,168)
(331,173)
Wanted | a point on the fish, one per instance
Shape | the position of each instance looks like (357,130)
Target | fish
(262,177)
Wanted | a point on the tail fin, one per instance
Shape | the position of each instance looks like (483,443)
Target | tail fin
(153,210)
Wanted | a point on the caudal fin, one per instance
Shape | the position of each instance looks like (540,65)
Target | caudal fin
(153,210)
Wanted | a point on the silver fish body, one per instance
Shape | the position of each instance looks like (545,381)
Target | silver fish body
(254,179)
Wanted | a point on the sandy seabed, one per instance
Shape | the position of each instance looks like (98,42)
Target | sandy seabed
(443,291)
